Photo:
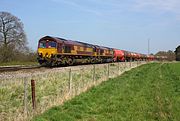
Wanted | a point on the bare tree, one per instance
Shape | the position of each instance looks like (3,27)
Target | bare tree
(12,35)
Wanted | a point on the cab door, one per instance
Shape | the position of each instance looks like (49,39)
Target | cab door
(60,47)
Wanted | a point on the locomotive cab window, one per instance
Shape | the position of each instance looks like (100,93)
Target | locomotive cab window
(47,44)
(42,44)
(51,44)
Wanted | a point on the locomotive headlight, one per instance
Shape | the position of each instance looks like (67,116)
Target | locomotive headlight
(40,54)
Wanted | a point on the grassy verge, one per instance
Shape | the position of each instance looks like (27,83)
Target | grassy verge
(149,92)
(53,87)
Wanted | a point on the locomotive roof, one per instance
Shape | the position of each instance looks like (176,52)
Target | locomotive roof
(72,42)
(58,39)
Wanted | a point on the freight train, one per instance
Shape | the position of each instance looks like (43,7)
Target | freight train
(55,51)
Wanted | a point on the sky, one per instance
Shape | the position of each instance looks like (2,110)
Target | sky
(122,24)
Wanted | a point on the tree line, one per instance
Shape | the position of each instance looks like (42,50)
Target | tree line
(170,55)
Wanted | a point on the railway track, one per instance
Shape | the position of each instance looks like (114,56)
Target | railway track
(17,68)
(31,67)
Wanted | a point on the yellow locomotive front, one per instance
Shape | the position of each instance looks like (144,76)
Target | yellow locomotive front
(47,50)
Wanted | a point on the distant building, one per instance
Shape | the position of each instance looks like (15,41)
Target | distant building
(177,51)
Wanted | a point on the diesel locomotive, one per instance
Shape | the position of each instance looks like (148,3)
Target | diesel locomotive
(55,51)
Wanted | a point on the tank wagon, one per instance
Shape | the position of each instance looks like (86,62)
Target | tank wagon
(55,51)
(119,55)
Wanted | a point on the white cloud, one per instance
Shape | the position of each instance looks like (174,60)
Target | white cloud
(96,7)
(78,5)
(103,7)
(159,5)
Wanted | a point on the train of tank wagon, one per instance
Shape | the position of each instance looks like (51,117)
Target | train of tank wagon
(54,51)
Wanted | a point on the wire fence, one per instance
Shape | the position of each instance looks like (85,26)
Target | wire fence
(23,97)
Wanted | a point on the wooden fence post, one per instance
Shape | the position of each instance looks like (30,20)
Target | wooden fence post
(137,63)
(33,94)
(82,69)
(70,78)
(108,71)
(25,96)
(94,73)
(118,68)
(125,65)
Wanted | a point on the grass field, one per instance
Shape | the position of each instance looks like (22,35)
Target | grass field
(149,92)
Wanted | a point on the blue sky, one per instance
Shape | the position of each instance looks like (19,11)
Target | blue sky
(123,24)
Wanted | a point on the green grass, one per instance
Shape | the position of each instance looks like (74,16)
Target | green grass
(147,93)
(18,63)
